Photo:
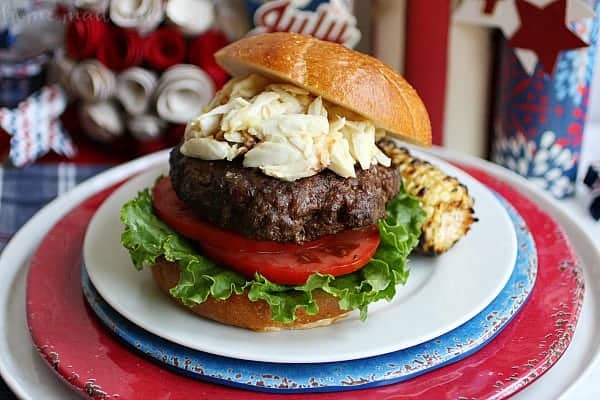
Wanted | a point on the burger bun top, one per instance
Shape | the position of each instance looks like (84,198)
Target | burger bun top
(353,80)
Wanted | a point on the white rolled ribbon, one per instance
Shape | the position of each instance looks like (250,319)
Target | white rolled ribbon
(135,87)
(191,17)
(60,70)
(102,121)
(96,6)
(146,127)
(181,93)
(144,15)
(92,81)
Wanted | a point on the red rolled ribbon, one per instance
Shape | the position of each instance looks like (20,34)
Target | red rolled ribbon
(150,146)
(121,49)
(164,48)
(202,54)
(84,35)
(175,134)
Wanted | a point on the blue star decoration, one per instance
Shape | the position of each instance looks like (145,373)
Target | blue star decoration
(35,127)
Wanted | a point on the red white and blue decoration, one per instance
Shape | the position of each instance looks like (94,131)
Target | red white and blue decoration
(540,119)
(140,69)
(546,69)
(327,20)
(332,21)
(35,128)
(537,30)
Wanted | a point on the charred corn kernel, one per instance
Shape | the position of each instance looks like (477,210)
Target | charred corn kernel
(446,201)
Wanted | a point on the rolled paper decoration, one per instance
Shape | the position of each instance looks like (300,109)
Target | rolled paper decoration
(135,87)
(540,118)
(164,48)
(121,49)
(59,71)
(201,53)
(143,15)
(102,121)
(96,6)
(92,81)
(592,176)
(146,127)
(83,36)
(182,91)
(191,17)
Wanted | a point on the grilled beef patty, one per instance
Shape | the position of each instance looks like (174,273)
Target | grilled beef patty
(260,207)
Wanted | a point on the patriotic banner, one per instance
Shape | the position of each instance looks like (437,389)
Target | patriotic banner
(35,128)
(327,20)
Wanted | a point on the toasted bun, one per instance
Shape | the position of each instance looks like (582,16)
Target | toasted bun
(238,310)
(353,80)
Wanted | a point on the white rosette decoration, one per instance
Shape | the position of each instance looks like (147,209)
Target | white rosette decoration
(135,87)
(191,17)
(182,91)
(92,81)
(146,127)
(59,71)
(96,6)
(144,15)
(102,121)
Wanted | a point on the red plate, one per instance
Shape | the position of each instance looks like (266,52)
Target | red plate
(76,345)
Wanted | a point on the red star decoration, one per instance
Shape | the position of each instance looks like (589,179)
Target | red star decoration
(544,31)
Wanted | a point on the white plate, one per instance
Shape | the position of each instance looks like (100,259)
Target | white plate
(442,292)
(574,377)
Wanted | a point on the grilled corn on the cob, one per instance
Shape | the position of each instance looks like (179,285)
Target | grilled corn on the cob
(446,201)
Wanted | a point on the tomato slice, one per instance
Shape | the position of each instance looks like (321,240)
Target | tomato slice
(283,263)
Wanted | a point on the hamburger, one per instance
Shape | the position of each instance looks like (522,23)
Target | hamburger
(287,205)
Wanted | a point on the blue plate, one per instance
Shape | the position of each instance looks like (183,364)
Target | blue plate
(344,375)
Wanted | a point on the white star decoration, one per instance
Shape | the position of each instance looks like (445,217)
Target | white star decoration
(35,128)
(506,17)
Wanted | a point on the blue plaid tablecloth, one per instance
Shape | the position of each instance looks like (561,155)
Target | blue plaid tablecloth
(24,191)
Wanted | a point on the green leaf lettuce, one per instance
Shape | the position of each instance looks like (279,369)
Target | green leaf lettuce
(148,238)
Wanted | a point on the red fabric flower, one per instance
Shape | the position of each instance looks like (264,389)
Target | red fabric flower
(83,36)
(150,146)
(202,54)
(121,49)
(164,48)
(175,134)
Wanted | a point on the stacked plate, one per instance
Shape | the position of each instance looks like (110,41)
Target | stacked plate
(483,320)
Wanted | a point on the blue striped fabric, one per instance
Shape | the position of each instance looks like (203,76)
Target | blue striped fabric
(23,191)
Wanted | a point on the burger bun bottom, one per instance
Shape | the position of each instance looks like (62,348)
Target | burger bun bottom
(239,311)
